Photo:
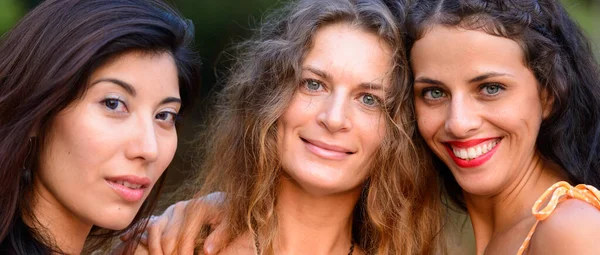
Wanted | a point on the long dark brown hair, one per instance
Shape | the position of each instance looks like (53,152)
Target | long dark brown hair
(45,63)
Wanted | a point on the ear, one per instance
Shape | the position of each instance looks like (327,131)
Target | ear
(547,99)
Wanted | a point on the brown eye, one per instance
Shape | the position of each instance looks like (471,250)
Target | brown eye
(113,104)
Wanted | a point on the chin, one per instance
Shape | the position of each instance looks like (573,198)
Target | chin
(118,220)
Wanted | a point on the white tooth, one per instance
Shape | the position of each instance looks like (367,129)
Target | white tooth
(471,153)
(463,154)
(489,146)
(478,151)
(484,149)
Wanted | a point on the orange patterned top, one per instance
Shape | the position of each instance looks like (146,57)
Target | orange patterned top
(560,191)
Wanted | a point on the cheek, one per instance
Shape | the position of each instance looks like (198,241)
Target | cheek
(428,121)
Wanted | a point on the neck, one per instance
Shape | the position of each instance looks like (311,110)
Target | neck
(512,205)
(56,223)
(313,224)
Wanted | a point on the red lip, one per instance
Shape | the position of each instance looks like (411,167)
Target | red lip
(469,143)
(473,162)
(127,193)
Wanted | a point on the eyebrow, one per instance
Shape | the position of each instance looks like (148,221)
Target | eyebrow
(171,100)
(479,78)
(318,72)
(428,81)
(130,89)
(487,76)
(325,75)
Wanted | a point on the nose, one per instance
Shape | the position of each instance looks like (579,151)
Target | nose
(333,114)
(143,142)
(463,117)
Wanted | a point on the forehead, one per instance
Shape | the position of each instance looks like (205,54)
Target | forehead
(344,49)
(143,70)
(443,49)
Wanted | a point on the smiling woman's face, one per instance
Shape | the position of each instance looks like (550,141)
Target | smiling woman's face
(478,106)
(334,124)
(104,152)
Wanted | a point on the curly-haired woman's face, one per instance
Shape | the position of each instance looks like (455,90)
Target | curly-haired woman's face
(106,150)
(330,132)
(478,106)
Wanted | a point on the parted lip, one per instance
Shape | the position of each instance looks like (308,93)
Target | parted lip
(469,143)
(133,179)
(329,146)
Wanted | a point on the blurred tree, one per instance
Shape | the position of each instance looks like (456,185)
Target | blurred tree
(10,12)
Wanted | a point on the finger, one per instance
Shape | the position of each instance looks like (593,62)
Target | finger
(194,217)
(216,240)
(154,235)
(144,236)
(199,212)
(174,226)
(141,250)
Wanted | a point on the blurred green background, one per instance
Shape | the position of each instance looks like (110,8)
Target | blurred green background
(221,23)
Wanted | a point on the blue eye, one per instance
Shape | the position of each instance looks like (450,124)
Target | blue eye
(433,93)
(313,85)
(370,100)
(491,89)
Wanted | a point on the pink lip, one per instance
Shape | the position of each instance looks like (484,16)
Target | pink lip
(327,151)
(129,194)
(473,162)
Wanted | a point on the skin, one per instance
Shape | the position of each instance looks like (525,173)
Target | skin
(110,131)
(475,85)
(318,191)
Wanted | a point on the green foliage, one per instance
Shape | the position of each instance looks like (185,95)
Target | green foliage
(10,12)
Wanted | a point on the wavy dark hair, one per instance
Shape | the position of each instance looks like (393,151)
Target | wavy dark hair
(559,55)
(45,63)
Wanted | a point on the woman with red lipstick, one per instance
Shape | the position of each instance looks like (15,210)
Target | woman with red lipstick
(90,90)
(315,157)
(507,97)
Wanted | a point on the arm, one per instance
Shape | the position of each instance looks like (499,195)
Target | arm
(176,230)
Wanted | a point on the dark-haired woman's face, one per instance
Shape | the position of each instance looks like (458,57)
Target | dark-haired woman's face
(105,151)
(478,106)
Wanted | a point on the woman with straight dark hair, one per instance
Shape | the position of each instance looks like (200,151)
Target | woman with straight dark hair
(89,94)
(507,97)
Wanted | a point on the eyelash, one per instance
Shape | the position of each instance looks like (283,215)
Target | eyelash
(175,117)
(304,84)
(444,94)
(487,85)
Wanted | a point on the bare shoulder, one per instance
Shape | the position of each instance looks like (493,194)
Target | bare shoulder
(573,228)
(242,245)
